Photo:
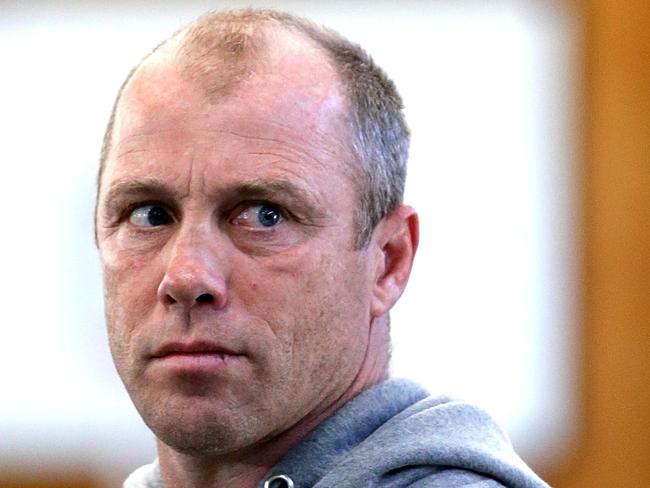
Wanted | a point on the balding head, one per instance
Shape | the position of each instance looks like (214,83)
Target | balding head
(221,50)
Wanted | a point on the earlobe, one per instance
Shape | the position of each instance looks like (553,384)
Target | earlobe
(396,238)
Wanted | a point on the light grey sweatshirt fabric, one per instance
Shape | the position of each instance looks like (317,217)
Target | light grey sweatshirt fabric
(395,435)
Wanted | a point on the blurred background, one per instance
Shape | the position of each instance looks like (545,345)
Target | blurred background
(530,167)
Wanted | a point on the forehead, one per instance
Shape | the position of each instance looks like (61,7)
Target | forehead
(293,84)
(290,76)
(292,101)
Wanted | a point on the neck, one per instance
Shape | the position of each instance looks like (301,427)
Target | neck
(180,470)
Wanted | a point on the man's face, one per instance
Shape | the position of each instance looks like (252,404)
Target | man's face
(235,300)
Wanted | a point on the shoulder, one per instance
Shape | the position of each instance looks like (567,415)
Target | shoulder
(434,442)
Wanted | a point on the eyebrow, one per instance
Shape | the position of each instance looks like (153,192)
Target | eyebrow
(153,188)
(148,187)
(272,188)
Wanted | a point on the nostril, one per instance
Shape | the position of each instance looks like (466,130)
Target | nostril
(205,298)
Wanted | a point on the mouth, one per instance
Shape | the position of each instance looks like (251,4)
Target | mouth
(198,355)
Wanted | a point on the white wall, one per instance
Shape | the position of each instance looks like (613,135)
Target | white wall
(489,314)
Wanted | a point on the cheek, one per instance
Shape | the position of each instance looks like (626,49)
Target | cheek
(312,301)
(130,286)
(130,296)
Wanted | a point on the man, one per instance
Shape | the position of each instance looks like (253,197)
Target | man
(253,241)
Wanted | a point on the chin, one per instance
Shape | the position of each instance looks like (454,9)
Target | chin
(196,431)
(206,440)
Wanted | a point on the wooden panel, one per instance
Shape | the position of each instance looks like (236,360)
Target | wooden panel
(614,450)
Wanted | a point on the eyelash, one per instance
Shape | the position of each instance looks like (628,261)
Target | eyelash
(129,209)
(230,214)
(257,228)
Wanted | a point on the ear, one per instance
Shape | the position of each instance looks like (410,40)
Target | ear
(396,240)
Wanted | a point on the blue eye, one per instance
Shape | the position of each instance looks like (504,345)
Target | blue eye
(259,215)
(268,215)
(150,216)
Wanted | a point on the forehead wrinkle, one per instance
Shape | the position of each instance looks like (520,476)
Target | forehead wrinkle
(127,152)
(283,158)
(289,141)
(144,133)
(137,132)
(315,138)
(299,154)
(137,143)
(291,146)
(286,151)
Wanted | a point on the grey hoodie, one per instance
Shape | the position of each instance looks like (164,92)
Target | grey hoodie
(394,435)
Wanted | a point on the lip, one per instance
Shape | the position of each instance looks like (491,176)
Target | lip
(192,348)
(196,355)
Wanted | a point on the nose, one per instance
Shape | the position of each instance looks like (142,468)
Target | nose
(193,277)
